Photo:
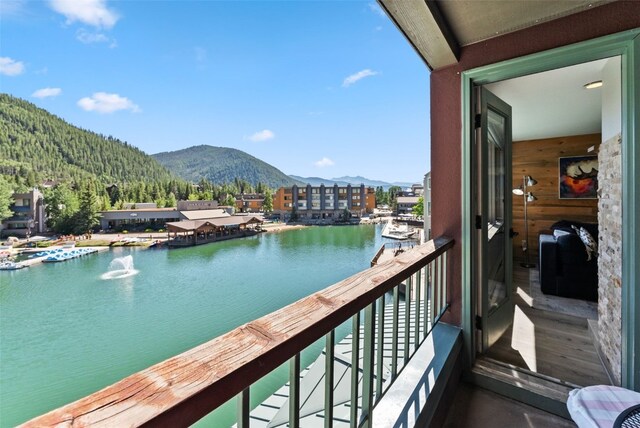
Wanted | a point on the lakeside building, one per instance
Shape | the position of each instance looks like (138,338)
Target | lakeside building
(324,202)
(148,215)
(134,218)
(249,202)
(28,215)
(406,204)
(187,233)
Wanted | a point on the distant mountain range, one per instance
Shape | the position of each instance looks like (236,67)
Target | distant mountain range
(222,165)
(36,145)
(354,181)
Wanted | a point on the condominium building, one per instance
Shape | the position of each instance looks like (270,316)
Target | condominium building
(28,214)
(249,202)
(322,202)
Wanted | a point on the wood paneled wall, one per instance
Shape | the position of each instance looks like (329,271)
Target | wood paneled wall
(539,159)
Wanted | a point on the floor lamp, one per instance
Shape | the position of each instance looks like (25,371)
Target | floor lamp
(527,197)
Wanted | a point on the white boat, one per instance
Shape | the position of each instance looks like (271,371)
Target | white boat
(398,231)
(11,265)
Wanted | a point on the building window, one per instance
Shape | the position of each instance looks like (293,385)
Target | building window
(429,208)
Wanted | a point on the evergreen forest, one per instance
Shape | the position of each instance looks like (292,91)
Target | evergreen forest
(86,172)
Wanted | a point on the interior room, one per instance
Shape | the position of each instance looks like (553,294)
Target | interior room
(567,183)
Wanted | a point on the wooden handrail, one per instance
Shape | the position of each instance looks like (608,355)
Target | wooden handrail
(181,390)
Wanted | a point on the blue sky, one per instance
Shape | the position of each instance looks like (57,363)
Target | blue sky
(315,88)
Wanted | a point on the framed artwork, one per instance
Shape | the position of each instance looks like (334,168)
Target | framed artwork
(578,177)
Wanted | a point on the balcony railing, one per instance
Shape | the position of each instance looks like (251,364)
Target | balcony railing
(183,389)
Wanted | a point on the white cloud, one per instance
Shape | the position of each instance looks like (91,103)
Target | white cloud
(103,102)
(324,162)
(10,8)
(10,67)
(47,92)
(263,135)
(375,8)
(90,12)
(88,37)
(357,76)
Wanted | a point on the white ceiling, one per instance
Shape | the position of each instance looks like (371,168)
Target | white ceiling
(554,103)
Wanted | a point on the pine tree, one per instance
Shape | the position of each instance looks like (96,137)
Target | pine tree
(5,199)
(267,205)
(88,216)
(61,206)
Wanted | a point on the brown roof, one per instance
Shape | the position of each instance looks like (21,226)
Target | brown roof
(204,214)
(189,225)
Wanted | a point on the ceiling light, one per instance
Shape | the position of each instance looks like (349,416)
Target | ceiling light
(593,85)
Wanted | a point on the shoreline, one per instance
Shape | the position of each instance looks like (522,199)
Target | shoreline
(108,240)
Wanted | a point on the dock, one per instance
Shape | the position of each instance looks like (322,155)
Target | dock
(63,251)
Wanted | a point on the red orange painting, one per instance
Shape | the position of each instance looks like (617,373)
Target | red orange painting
(578,177)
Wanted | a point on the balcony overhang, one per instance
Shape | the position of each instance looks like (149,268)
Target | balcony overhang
(438,29)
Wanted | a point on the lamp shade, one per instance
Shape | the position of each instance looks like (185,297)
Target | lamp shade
(518,191)
(531,181)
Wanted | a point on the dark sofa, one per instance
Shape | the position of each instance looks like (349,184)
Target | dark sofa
(564,269)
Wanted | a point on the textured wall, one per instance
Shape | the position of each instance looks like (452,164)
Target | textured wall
(610,253)
(539,159)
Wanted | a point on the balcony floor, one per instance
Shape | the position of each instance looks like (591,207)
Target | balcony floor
(475,407)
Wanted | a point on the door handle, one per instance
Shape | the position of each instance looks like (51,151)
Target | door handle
(512,233)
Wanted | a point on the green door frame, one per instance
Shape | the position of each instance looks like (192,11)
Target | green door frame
(626,45)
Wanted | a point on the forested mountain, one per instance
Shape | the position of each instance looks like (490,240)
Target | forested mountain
(36,145)
(222,165)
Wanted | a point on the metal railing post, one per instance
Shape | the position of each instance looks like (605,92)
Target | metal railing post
(243,409)
(294,391)
(355,369)
(328,378)
(367,364)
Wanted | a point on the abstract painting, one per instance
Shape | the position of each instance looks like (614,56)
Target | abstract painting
(578,178)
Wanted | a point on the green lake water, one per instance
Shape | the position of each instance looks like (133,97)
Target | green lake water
(65,332)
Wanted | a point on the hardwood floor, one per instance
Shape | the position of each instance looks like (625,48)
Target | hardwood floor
(549,343)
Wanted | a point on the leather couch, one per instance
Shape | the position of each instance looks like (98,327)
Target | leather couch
(564,268)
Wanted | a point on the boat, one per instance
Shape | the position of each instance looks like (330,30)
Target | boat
(398,231)
(9,265)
